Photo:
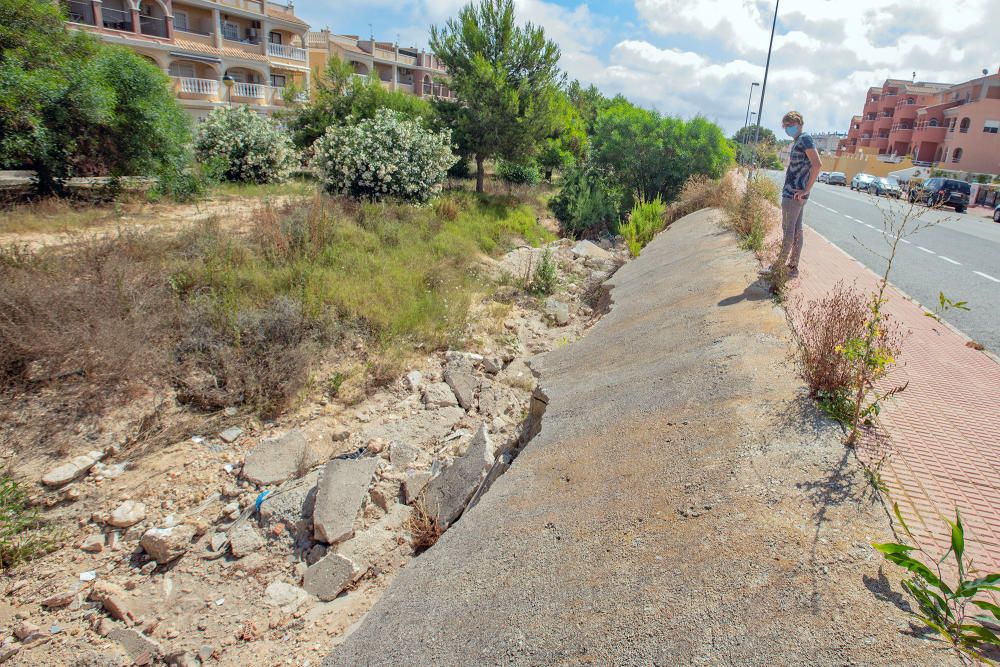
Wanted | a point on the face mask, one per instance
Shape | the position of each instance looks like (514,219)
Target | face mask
(792,130)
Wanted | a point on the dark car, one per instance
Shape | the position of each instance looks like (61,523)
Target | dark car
(888,187)
(943,192)
(836,178)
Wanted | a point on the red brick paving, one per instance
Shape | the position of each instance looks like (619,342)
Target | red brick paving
(942,434)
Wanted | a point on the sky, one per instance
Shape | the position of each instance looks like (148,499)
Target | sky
(690,57)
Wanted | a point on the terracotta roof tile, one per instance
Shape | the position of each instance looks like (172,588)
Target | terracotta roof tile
(278,14)
(228,51)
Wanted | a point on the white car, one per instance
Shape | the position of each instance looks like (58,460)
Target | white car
(823,176)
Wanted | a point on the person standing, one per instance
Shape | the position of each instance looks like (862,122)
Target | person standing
(801,175)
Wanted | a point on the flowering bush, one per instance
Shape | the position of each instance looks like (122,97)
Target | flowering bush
(385,156)
(246,147)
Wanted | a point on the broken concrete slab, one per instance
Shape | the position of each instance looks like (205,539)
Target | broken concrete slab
(420,429)
(438,395)
(464,384)
(284,595)
(494,398)
(291,503)
(136,644)
(414,483)
(342,489)
(231,434)
(67,472)
(329,576)
(276,460)
(378,545)
(245,539)
(402,455)
(447,494)
(591,250)
(127,514)
(167,544)
(557,310)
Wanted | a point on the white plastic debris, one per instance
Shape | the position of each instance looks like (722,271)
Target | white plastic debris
(89,575)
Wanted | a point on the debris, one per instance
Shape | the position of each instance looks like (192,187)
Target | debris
(464,385)
(413,379)
(284,595)
(341,491)
(291,503)
(136,644)
(231,434)
(438,395)
(244,539)
(67,472)
(93,544)
(114,601)
(62,598)
(402,455)
(89,575)
(414,483)
(447,494)
(127,514)
(166,544)
(276,460)
(329,576)
(557,310)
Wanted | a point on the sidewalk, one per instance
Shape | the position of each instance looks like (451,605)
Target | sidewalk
(942,434)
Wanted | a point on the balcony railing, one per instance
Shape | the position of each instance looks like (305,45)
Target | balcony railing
(250,90)
(80,12)
(189,30)
(116,19)
(153,26)
(285,51)
(197,86)
(385,55)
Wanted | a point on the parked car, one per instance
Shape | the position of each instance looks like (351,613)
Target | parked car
(943,192)
(823,175)
(996,214)
(836,178)
(861,181)
(885,186)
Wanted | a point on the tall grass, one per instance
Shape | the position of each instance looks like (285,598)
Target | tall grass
(754,214)
(644,221)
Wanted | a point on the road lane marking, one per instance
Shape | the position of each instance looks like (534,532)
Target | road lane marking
(949,259)
(868,226)
(926,250)
(987,276)
(905,241)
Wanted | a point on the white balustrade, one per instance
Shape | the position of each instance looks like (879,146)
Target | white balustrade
(285,51)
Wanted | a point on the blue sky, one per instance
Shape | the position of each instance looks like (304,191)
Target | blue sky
(687,57)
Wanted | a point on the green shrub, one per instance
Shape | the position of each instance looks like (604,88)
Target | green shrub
(643,222)
(23,535)
(545,278)
(587,203)
(245,147)
(516,173)
(385,156)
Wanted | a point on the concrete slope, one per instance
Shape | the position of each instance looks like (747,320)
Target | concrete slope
(683,503)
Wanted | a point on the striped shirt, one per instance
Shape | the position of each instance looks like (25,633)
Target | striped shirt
(799,167)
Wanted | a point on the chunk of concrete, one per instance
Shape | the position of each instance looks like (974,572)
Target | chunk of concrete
(592,250)
(494,399)
(245,539)
(231,434)
(438,395)
(414,483)
(557,310)
(464,384)
(67,472)
(402,455)
(284,595)
(329,576)
(342,489)
(276,460)
(127,514)
(447,494)
(136,644)
(167,544)
(292,502)
(413,379)
(420,429)
(378,545)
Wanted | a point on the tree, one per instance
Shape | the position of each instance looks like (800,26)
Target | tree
(568,142)
(70,105)
(745,135)
(588,102)
(341,98)
(505,77)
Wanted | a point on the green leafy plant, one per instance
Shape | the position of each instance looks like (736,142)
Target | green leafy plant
(953,611)
(645,220)
(23,535)
(838,404)
(251,149)
(944,305)
(545,278)
(517,173)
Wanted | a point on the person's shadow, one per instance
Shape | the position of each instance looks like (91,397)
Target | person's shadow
(758,290)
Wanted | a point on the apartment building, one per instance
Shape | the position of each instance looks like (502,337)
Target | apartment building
(952,126)
(409,70)
(217,52)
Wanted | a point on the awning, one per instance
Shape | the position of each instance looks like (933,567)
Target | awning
(194,56)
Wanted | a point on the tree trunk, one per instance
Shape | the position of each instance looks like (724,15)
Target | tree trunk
(480,173)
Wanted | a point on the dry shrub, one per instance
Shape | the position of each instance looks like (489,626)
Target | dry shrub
(424,528)
(293,231)
(754,214)
(96,316)
(825,324)
(259,359)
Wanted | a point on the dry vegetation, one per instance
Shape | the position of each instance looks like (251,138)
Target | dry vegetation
(236,316)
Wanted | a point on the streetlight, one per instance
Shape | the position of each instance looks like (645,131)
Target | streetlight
(229,82)
(763,89)
(746,122)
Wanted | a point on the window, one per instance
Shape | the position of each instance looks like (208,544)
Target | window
(231,31)
(957,157)
(278,80)
(274,37)
(991,126)
(964,127)
(180,20)
(185,70)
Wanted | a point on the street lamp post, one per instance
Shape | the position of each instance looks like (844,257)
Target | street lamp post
(229,81)
(763,88)
(746,122)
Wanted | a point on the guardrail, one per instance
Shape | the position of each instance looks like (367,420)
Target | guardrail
(285,51)
(250,90)
(197,86)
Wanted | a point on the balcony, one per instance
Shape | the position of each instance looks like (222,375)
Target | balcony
(924,132)
(888,101)
(153,26)
(286,52)
(385,55)
(871,105)
(80,12)
(882,123)
(197,87)
(882,143)
(253,91)
(906,111)
(116,19)
(901,132)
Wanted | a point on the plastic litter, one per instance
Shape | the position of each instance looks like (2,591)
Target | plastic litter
(89,575)
(353,455)
(260,500)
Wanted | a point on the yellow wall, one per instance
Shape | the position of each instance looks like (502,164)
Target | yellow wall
(852,164)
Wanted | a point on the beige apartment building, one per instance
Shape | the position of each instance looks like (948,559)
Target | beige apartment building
(217,52)
(409,70)
(949,126)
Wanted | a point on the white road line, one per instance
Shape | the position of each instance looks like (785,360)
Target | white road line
(987,276)
(926,250)
(905,241)
(867,225)
(949,259)
(832,210)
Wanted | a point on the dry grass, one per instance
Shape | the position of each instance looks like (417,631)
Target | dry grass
(53,214)
(753,212)
(424,528)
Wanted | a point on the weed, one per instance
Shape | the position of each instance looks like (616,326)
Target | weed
(424,527)
(334,383)
(23,533)
(838,404)
(948,609)
(644,221)
(944,305)
(755,213)
(873,474)
(545,278)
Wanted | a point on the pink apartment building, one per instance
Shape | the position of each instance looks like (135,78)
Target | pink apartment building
(955,127)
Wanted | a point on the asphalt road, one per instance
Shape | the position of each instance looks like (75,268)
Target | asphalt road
(959,255)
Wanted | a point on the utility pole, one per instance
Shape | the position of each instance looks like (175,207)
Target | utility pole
(746,122)
(763,89)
